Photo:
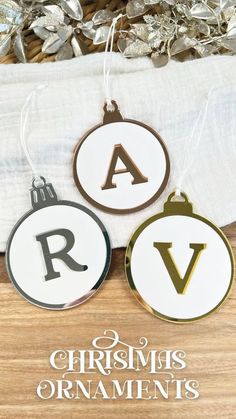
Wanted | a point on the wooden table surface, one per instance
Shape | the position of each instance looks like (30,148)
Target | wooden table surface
(28,335)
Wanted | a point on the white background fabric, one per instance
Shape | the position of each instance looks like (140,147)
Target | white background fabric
(168,99)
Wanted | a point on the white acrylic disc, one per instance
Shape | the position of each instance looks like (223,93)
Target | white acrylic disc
(121,167)
(67,226)
(149,278)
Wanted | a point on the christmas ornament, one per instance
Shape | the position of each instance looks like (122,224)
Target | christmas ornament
(121,165)
(58,253)
(130,165)
(179,265)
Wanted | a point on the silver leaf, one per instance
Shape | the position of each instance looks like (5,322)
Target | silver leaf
(5,44)
(88,25)
(204,28)
(76,47)
(182,44)
(183,9)
(65,32)
(41,33)
(19,47)
(229,44)
(72,8)
(11,15)
(89,33)
(11,11)
(135,8)
(201,11)
(67,20)
(45,22)
(231,27)
(65,52)
(55,11)
(87,29)
(141,30)
(123,43)
(232,33)
(102,16)
(225,4)
(154,39)
(159,60)
(101,35)
(52,44)
(201,50)
(79,47)
(228,13)
(137,48)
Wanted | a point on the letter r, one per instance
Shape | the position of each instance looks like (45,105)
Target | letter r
(62,254)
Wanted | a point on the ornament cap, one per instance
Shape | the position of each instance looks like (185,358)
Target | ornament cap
(42,194)
(112,115)
(182,206)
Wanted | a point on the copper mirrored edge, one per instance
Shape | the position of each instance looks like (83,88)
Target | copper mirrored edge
(127,210)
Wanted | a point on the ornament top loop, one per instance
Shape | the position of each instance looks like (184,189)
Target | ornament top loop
(113,115)
(182,206)
(38,182)
(42,195)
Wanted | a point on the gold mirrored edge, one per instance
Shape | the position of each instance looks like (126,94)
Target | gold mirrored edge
(128,274)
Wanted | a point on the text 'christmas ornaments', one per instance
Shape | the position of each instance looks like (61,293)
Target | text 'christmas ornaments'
(58,253)
(179,265)
(121,165)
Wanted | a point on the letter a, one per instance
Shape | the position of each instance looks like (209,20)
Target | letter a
(179,283)
(120,152)
(61,254)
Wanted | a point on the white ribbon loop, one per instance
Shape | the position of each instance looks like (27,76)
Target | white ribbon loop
(23,123)
(192,144)
(108,61)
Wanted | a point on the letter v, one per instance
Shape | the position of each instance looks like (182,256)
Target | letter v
(179,283)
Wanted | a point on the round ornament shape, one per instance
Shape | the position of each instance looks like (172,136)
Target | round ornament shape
(122,165)
(58,254)
(179,265)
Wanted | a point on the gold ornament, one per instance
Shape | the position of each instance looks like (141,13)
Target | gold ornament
(179,265)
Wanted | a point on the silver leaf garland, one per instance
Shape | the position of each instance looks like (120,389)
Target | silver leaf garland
(162,29)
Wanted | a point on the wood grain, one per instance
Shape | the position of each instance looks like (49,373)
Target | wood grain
(28,335)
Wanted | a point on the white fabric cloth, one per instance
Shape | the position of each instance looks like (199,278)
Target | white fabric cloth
(168,99)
